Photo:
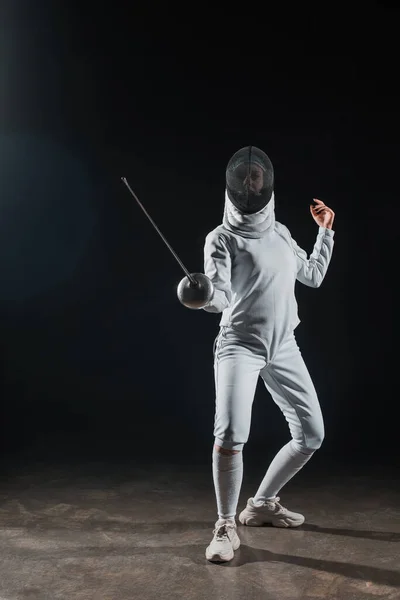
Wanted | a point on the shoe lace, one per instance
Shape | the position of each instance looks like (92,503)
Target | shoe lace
(278,508)
(221,533)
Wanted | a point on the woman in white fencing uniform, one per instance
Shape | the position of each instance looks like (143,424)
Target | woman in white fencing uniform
(253,263)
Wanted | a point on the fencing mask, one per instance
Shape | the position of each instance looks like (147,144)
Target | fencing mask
(249,180)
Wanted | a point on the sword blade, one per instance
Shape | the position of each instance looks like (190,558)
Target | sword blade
(174,254)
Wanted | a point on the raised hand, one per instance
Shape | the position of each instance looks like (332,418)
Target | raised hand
(322,214)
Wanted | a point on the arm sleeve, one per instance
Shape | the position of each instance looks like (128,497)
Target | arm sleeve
(311,271)
(217,267)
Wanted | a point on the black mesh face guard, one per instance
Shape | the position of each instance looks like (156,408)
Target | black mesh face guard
(249,179)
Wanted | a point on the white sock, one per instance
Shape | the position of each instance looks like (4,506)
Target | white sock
(285,465)
(227,476)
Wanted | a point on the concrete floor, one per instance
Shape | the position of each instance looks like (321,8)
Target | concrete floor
(97,533)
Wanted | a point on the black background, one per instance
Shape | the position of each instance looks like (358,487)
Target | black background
(98,358)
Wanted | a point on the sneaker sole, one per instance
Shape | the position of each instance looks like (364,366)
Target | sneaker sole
(255,521)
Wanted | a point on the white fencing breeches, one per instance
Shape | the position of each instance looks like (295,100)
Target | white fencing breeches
(239,360)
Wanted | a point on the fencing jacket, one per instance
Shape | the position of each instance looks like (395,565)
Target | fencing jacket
(253,263)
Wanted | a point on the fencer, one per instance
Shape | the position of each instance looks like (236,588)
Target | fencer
(253,263)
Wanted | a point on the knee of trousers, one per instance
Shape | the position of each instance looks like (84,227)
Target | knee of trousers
(311,443)
(228,445)
(230,435)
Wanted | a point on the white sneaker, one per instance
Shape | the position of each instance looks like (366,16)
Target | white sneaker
(270,512)
(224,542)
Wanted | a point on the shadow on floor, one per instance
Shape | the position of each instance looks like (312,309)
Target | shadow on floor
(246,555)
(381,536)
